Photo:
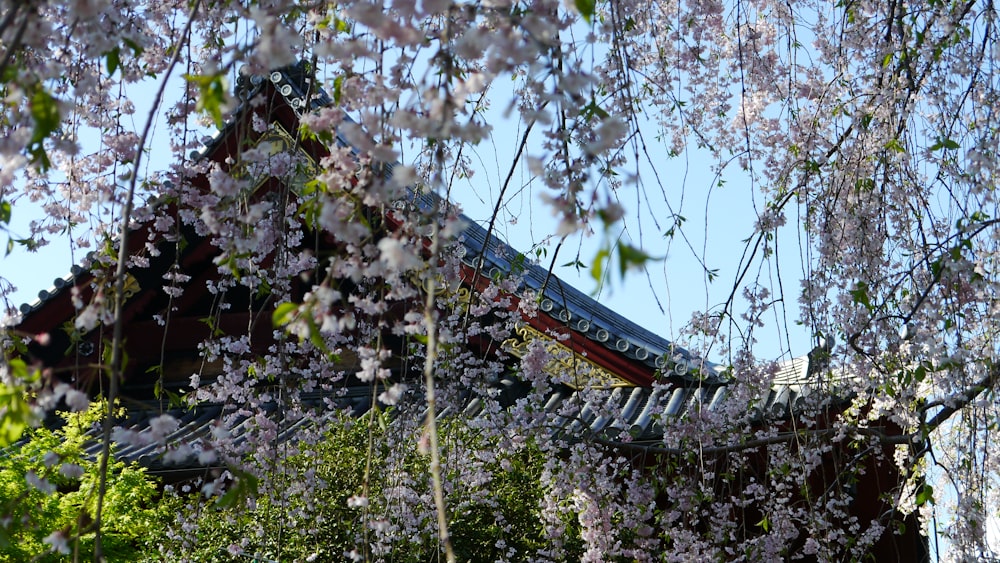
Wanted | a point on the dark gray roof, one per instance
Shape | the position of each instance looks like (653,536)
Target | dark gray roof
(583,313)
(632,414)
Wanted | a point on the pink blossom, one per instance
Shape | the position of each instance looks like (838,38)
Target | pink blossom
(77,400)
(58,542)
(71,470)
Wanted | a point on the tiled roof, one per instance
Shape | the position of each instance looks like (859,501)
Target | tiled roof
(627,414)
(687,380)
(560,300)
(582,313)
(612,414)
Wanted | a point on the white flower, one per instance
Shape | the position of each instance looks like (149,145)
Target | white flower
(127,437)
(208,489)
(58,541)
(71,470)
(50,459)
(39,483)
(394,254)
(206,457)
(178,455)
(403,176)
(392,395)
(88,318)
(371,369)
(608,135)
(163,425)
(220,432)
(326,296)
(172,291)
(77,400)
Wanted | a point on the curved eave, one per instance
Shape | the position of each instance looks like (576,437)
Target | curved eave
(56,301)
(586,317)
(607,337)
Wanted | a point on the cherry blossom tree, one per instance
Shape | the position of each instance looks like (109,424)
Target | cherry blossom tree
(865,130)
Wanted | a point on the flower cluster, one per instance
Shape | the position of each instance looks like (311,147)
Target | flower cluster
(865,130)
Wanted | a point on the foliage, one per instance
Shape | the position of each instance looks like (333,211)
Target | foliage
(48,495)
(860,138)
(499,519)
(14,401)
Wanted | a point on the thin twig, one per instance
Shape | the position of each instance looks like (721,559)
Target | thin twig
(119,293)
(431,322)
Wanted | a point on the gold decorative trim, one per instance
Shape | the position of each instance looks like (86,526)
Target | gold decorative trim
(583,373)
(284,141)
(458,294)
(281,141)
(107,286)
(131,287)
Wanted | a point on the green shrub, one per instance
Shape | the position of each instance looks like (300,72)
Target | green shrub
(49,486)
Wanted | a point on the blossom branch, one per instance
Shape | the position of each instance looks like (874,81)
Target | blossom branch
(117,341)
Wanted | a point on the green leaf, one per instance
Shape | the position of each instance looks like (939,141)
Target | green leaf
(925,495)
(895,146)
(631,257)
(45,112)
(860,295)
(936,267)
(597,267)
(212,91)
(943,143)
(212,326)
(9,73)
(113,59)
(586,8)
(20,372)
(338,87)
(284,314)
(592,110)
(17,414)
(517,264)
(314,335)
(136,48)
(244,486)
(336,24)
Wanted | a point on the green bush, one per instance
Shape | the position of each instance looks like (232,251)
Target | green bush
(49,486)
(497,520)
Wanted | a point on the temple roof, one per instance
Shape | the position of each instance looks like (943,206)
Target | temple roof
(644,374)
(488,255)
